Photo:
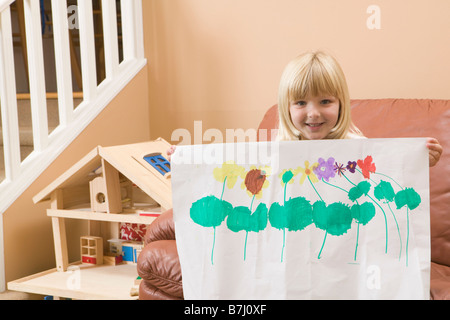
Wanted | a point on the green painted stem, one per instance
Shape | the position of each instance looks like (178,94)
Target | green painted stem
(214,243)
(323,244)
(357,242)
(245,247)
(398,230)
(407,236)
(314,188)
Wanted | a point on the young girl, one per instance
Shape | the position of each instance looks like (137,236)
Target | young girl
(314,103)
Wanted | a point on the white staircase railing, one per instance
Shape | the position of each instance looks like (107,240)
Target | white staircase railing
(20,174)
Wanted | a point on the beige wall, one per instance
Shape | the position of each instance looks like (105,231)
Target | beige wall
(220,61)
(27,229)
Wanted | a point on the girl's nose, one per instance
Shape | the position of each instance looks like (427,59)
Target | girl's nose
(313,111)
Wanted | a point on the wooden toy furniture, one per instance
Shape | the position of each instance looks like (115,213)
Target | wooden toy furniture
(131,251)
(159,265)
(110,185)
(91,250)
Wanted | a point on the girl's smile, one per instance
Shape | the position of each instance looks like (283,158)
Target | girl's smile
(315,117)
(315,126)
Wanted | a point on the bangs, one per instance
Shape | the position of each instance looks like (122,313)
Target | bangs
(313,80)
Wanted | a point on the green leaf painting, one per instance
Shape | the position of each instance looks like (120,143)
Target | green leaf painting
(366,198)
(408,197)
(295,215)
(242,219)
(210,212)
(358,191)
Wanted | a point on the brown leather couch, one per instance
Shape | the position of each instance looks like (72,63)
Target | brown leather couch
(158,263)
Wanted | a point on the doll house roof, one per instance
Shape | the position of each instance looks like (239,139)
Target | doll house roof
(143,164)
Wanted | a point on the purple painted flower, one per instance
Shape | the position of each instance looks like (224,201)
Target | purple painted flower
(325,169)
(351,166)
(339,169)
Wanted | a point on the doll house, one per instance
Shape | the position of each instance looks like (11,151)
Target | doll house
(128,183)
(109,186)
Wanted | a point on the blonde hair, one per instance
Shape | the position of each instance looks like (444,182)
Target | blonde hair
(309,75)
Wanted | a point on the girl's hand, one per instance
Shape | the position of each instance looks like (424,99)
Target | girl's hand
(170,152)
(435,151)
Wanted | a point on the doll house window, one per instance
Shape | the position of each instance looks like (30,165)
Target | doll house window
(157,161)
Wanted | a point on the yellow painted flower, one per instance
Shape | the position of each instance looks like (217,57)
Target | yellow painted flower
(307,171)
(256,180)
(287,176)
(229,172)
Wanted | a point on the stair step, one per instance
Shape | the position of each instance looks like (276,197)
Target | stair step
(24,113)
(25,122)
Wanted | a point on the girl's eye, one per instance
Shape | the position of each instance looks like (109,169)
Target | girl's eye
(325,101)
(301,103)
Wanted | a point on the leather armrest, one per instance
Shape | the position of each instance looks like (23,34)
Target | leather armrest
(159,266)
(163,228)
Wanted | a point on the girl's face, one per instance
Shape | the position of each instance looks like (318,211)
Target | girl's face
(314,117)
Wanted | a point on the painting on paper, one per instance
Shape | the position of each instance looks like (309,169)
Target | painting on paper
(303,219)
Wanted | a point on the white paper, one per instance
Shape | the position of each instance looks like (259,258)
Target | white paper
(329,232)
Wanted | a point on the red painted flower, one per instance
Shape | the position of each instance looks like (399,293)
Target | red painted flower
(367,166)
